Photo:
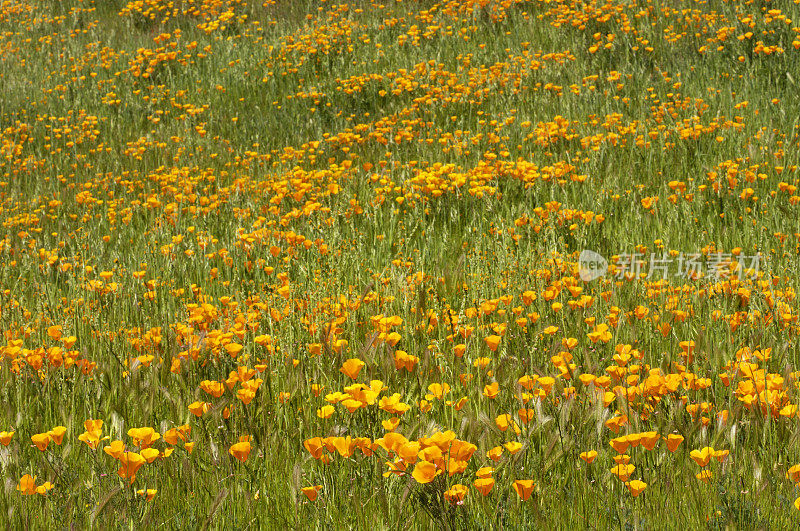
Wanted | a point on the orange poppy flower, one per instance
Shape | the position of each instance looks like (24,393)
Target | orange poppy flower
(484,485)
(424,472)
(5,437)
(150,454)
(41,440)
(673,441)
(491,390)
(456,494)
(57,434)
(493,342)
(143,437)
(636,487)
(131,462)
(147,494)
(115,449)
(311,492)
(495,453)
(352,367)
(27,485)
(589,456)
(241,450)
(524,488)
(702,457)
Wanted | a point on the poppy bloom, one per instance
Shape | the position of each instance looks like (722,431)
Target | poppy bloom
(115,449)
(27,485)
(344,445)
(41,440)
(484,485)
(245,395)
(92,434)
(408,452)
(485,472)
(233,349)
(44,487)
(351,368)
(704,476)
(437,391)
(793,473)
(241,450)
(513,447)
(424,472)
(623,471)
(634,439)
(143,437)
(150,454)
(636,487)
(131,462)
(214,388)
(456,494)
(455,466)
(491,390)
(524,488)
(721,455)
(57,434)
(199,408)
(315,447)
(325,411)
(649,440)
(702,457)
(5,437)
(622,459)
(493,342)
(390,424)
(673,441)
(148,494)
(495,453)
(619,444)
(396,467)
(503,421)
(54,332)
(312,492)
(589,456)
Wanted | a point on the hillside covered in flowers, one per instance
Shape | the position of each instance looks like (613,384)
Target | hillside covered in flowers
(399,264)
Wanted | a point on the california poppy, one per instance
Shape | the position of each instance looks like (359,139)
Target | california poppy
(352,367)
(673,441)
(524,488)
(484,485)
(241,450)
(131,462)
(57,434)
(493,342)
(311,492)
(636,487)
(147,494)
(27,485)
(41,440)
(589,456)
(424,472)
(5,437)
(456,494)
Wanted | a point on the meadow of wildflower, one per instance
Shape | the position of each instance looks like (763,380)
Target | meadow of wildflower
(423,264)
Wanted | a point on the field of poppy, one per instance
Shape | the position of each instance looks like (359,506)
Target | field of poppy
(400,264)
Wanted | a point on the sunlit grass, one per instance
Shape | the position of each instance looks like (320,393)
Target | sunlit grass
(309,264)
